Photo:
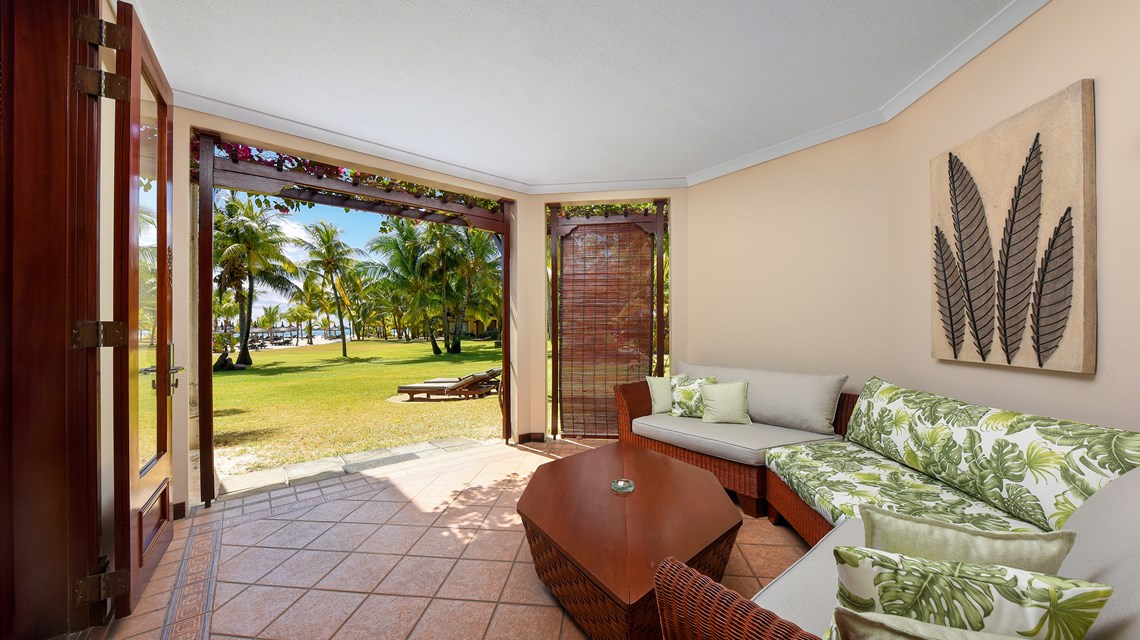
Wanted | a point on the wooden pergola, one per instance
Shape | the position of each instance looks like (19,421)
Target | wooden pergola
(229,172)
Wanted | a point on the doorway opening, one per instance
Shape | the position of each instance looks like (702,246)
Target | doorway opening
(344,317)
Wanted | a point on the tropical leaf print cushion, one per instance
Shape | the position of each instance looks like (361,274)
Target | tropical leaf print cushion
(1034,468)
(687,399)
(989,598)
(834,478)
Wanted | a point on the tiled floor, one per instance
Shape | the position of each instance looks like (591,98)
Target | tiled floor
(425,549)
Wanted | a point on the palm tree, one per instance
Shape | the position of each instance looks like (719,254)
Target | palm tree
(330,257)
(479,269)
(225,310)
(407,268)
(444,253)
(270,316)
(249,247)
(298,315)
(311,294)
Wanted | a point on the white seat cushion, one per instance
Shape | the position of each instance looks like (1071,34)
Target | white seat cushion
(744,443)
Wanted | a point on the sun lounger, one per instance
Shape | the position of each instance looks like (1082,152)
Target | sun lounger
(475,385)
(494,372)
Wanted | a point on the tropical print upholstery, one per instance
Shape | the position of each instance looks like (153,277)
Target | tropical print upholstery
(687,399)
(833,478)
(1034,468)
(993,599)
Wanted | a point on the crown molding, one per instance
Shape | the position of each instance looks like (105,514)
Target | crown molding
(1014,13)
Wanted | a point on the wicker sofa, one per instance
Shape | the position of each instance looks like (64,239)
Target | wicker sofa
(1080,476)
(742,469)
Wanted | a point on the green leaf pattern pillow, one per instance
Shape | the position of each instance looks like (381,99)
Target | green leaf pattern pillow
(687,399)
(988,598)
(1036,469)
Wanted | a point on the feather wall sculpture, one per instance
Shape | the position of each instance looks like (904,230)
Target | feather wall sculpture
(1018,255)
(951,293)
(1033,304)
(975,254)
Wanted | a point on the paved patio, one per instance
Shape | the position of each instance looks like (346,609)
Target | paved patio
(427,548)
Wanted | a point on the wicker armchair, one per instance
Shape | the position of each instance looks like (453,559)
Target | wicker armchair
(747,481)
(694,607)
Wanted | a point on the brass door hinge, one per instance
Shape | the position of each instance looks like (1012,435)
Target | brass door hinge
(100,83)
(102,586)
(102,33)
(91,334)
(97,82)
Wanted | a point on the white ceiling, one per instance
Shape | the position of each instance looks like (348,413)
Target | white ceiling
(546,96)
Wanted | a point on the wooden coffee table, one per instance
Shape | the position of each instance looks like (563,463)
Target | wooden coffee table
(597,550)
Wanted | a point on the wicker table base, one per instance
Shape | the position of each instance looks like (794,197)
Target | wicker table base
(598,550)
(601,617)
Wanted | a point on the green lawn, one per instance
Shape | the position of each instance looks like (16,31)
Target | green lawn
(305,403)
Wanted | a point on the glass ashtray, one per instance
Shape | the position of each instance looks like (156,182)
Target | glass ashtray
(622,485)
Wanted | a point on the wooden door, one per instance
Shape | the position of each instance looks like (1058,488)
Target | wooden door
(144,372)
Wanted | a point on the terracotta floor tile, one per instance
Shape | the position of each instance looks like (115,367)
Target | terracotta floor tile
(392,538)
(359,572)
(415,576)
(303,569)
(462,516)
(504,519)
(475,580)
(737,565)
(762,531)
(509,498)
(228,552)
(225,591)
(373,512)
(393,494)
(571,630)
(524,587)
(295,535)
(494,545)
(252,610)
(443,542)
(746,586)
(476,495)
(343,536)
(253,563)
(330,511)
(769,561)
(383,617)
(160,585)
(136,624)
(316,616)
(152,603)
(412,514)
(523,622)
(251,532)
(524,553)
(454,620)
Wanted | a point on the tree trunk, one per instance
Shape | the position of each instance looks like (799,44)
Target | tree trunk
(310,332)
(243,354)
(456,345)
(434,345)
(340,319)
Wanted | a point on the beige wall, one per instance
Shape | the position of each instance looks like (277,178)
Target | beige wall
(820,261)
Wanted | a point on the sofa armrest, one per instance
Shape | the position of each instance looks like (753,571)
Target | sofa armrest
(843,411)
(633,401)
(694,607)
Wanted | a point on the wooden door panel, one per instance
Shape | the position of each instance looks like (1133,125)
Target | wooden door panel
(143,297)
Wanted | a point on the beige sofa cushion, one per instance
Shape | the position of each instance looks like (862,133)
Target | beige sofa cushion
(744,443)
(800,401)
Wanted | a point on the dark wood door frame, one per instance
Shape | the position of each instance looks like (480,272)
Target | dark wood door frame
(49,154)
(560,226)
(218,172)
